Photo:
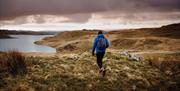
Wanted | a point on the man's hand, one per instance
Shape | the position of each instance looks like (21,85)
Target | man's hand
(93,53)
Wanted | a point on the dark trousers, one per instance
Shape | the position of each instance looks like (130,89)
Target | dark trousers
(99,57)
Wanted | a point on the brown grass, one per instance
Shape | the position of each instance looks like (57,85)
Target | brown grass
(74,72)
(165,62)
(13,62)
(139,39)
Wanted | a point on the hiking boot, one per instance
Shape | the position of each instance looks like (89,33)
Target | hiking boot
(102,70)
(104,73)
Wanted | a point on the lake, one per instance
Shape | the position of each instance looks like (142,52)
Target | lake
(25,43)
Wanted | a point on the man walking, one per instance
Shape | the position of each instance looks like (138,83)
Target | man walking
(100,44)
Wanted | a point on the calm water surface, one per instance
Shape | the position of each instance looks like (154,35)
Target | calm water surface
(25,43)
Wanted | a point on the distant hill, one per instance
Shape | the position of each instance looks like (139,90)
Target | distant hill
(4,36)
(15,32)
(172,26)
(171,31)
(6,33)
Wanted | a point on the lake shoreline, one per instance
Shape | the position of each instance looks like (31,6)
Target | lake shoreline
(25,43)
(5,36)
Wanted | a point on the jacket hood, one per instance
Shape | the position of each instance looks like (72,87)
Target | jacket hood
(100,35)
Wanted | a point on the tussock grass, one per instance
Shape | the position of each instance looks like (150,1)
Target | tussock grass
(13,62)
(74,72)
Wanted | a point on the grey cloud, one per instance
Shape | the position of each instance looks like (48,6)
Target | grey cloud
(78,18)
(10,9)
(23,20)
(14,8)
(143,16)
(144,5)
(39,19)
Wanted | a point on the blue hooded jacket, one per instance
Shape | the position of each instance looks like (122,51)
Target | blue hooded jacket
(96,41)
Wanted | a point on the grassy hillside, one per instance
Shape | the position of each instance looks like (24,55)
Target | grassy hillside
(70,41)
(146,41)
(74,72)
(134,39)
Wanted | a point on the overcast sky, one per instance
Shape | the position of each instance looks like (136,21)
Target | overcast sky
(79,14)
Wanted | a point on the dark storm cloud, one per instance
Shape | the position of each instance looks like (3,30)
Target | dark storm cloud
(14,8)
(10,9)
(144,5)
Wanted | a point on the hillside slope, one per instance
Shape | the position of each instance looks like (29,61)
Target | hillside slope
(75,72)
(164,38)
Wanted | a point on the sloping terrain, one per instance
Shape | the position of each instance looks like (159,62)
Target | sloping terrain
(164,38)
(74,72)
